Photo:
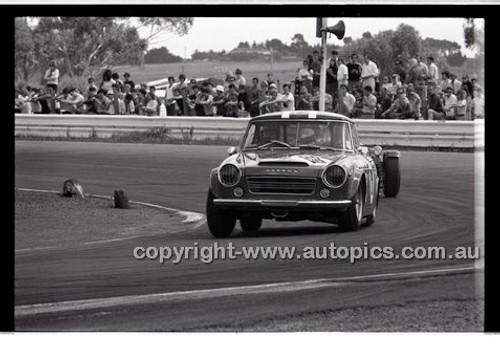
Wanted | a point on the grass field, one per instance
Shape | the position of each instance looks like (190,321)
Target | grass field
(282,71)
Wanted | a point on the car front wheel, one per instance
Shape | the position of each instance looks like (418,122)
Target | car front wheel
(351,219)
(220,222)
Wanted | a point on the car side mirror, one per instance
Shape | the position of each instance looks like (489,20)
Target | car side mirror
(232,150)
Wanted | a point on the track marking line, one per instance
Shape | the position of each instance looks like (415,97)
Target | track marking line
(293,286)
(198,219)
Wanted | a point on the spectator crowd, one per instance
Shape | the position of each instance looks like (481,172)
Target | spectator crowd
(354,87)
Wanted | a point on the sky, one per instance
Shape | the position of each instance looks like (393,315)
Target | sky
(210,33)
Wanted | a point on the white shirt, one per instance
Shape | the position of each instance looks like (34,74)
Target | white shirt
(433,72)
(349,101)
(448,102)
(342,74)
(288,101)
(52,77)
(478,103)
(369,69)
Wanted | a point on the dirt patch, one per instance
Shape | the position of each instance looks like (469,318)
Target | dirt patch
(50,220)
(465,315)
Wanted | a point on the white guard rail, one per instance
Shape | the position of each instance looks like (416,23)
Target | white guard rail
(422,133)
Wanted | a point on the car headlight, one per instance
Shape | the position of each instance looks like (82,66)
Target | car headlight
(229,175)
(334,176)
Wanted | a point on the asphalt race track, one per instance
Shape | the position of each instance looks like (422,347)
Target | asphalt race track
(103,288)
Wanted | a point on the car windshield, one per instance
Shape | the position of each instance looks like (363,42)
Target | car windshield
(319,134)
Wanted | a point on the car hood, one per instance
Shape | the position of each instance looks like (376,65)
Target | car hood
(292,158)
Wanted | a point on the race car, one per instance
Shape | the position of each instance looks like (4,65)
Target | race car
(300,165)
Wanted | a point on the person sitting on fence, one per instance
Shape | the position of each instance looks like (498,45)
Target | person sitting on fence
(243,97)
(401,108)
(450,100)
(73,102)
(101,102)
(315,100)
(219,101)
(232,105)
(287,99)
(205,100)
(305,99)
(415,101)
(384,102)
(346,101)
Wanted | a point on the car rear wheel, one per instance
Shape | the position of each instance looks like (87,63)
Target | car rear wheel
(250,223)
(220,222)
(351,220)
(392,177)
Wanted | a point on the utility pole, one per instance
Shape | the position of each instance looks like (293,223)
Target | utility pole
(322,78)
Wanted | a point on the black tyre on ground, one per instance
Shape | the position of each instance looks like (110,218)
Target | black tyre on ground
(392,177)
(250,223)
(351,219)
(220,222)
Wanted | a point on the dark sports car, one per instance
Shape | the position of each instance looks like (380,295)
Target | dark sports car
(300,165)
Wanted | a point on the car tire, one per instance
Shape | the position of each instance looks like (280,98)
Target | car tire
(392,177)
(370,219)
(250,224)
(351,219)
(220,222)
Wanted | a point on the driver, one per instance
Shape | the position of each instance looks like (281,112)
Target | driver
(306,135)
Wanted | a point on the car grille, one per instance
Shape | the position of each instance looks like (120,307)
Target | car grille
(281,185)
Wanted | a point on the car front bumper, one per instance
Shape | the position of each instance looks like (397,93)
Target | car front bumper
(285,204)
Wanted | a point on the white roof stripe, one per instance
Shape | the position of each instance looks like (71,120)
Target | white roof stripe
(312,115)
(285,115)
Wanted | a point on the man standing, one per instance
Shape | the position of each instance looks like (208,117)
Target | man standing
(342,73)
(400,70)
(354,72)
(369,71)
(51,76)
(127,80)
(170,102)
(433,75)
(315,66)
(240,79)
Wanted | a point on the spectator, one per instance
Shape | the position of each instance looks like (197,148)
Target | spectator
(195,109)
(219,101)
(210,88)
(416,76)
(331,78)
(240,79)
(384,102)
(305,75)
(305,99)
(445,80)
(116,77)
(400,70)
(36,108)
(394,86)
(460,106)
(129,103)
(470,87)
(468,99)
(415,101)
(478,104)
(243,97)
(315,100)
(46,99)
(232,104)
(152,93)
(273,104)
(433,75)
(128,81)
(315,66)
(180,95)
(450,100)
(170,101)
(369,104)
(151,106)
(358,105)
(140,101)
(270,79)
(107,82)
(73,103)
(264,95)
(346,101)
(369,71)
(254,96)
(205,100)
(117,105)
(401,108)
(91,83)
(51,76)
(421,64)
(354,72)
(342,73)
(455,84)
(101,102)
(287,98)
(89,105)
(435,111)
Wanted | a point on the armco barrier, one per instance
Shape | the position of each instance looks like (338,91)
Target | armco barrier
(423,133)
